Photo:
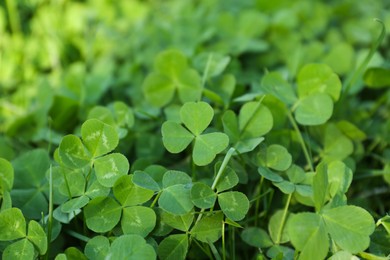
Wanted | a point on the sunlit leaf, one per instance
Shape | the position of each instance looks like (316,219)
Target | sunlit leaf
(110,168)
(102,214)
(98,137)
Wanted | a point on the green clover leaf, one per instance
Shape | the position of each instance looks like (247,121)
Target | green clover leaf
(195,116)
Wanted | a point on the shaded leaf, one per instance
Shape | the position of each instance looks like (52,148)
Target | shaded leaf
(203,196)
(234,204)
(138,220)
(173,247)
(209,228)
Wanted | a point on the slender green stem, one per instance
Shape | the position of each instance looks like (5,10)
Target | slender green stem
(302,142)
(206,70)
(351,80)
(13,16)
(155,200)
(370,173)
(257,207)
(223,166)
(50,216)
(223,242)
(219,174)
(283,220)
(78,236)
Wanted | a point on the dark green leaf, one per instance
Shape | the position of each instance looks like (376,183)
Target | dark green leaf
(256,237)
(209,228)
(203,196)
(173,247)
(234,204)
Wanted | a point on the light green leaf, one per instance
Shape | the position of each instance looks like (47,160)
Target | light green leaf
(95,189)
(110,168)
(97,248)
(213,64)
(248,145)
(72,182)
(144,180)
(343,255)
(203,196)
(314,109)
(274,226)
(228,179)
(37,236)
(377,77)
(98,137)
(320,186)
(173,177)
(340,58)
(308,235)
(131,247)
(170,62)
(103,114)
(138,220)
(285,186)
(209,228)
(280,252)
(230,126)
(175,137)
(158,89)
(181,222)
(102,214)
(74,204)
(189,86)
(173,247)
(234,204)
(207,146)
(6,175)
(339,177)
(278,158)
(20,250)
(318,78)
(129,194)
(269,175)
(351,130)
(123,114)
(273,83)
(196,116)
(296,174)
(336,145)
(256,237)
(12,224)
(176,199)
(72,152)
(350,227)
(254,120)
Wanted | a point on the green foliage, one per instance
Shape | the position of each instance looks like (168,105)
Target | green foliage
(194,130)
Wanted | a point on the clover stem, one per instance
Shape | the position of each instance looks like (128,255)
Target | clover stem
(223,242)
(155,200)
(219,174)
(353,77)
(283,220)
(302,142)
(13,15)
(50,214)
(257,207)
(223,166)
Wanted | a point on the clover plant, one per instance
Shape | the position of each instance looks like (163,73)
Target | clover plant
(194,130)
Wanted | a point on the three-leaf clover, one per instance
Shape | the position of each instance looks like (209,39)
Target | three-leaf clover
(195,118)
(172,73)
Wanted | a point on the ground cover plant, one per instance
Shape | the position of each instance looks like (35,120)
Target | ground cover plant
(194,129)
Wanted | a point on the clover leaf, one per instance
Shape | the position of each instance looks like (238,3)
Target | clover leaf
(172,73)
(195,116)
